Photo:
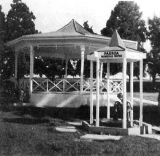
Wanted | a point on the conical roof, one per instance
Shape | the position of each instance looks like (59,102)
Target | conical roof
(115,43)
(73,27)
(72,33)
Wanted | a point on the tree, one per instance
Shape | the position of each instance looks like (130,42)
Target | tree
(54,67)
(86,62)
(2,25)
(154,55)
(126,18)
(20,21)
(2,33)
(50,67)
(72,65)
(4,52)
(87,27)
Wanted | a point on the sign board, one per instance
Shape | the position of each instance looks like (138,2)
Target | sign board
(111,54)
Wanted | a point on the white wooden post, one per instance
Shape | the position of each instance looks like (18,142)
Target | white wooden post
(65,76)
(16,64)
(82,68)
(91,92)
(108,99)
(101,71)
(141,92)
(31,69)
(66,66)
(124,92)
(97,92)
(131,90)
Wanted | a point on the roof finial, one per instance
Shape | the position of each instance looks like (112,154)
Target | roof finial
(116,40)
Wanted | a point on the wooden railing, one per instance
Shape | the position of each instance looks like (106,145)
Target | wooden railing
(58,85)
(69,85)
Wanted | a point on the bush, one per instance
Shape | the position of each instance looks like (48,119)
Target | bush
(147,86)
(9,92)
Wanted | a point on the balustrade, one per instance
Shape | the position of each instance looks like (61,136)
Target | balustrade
(69,85)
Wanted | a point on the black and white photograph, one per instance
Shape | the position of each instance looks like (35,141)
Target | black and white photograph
(79,78)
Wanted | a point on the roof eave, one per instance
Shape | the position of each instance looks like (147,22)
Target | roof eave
(20,39)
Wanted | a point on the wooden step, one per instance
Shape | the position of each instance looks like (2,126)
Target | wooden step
(155,130)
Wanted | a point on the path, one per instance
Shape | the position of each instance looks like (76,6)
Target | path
(147,101)
(150,102)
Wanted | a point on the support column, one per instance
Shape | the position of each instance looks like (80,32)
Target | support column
(16,65)
(141,92)
(91,92)
(124,93)
(131,90)
(31,69)
(65,76)
(101,72)
(66,66)
(97,92)
(82,68)
(108,98)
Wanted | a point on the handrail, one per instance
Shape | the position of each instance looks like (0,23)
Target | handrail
(70,85)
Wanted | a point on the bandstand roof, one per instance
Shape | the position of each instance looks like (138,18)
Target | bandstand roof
(116,51)
(66,41)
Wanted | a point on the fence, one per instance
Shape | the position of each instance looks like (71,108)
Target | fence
(69,85)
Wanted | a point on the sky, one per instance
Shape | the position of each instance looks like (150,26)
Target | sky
(51,15)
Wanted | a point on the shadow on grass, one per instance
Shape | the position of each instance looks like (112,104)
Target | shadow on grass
(150,113)
(26,121)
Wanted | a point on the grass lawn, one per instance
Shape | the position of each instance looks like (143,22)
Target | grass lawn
(148,96)
(31,131)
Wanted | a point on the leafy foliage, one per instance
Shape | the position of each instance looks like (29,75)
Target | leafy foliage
(126,18)
(154,55)
(20,21)
(86,62)
(154,32)
(7,63)
(51,67)
(2,31)
(6,58)
(23,65)
(72,66)
(2,25)
(87,27)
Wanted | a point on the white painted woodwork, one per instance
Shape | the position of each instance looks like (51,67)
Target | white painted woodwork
(31,68)
(65,76)
(124,93)
(101,72)
(97,93)
(141,92)
(131,90)
(82,67)
(108,90)
(66,65)
(91,92)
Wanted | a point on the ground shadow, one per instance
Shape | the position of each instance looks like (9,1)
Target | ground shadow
(150,113)
(26,121)
(35,112)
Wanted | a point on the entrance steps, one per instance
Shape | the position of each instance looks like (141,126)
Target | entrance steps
(155,130)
